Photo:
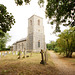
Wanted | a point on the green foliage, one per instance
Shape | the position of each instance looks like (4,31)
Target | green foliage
(8,48)
(56,49)
(41,3)
(6,20)
(19,53)
(3,41)
(51,46)
(60,11)
(1,33)
(20,2)
(66,42)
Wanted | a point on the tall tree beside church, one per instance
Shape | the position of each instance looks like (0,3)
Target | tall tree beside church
(59,11)
(6,20)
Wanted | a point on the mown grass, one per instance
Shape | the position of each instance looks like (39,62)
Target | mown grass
(10,65)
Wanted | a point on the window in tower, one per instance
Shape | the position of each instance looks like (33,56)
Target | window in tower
(30,22)
(38,22)
(39,43)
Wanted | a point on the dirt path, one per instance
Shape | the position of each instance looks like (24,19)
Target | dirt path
(61,65)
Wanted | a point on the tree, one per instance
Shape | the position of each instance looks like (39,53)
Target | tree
(66,42)
(51,46)
(59,11)
(62,11)
(6,20)
(4,40)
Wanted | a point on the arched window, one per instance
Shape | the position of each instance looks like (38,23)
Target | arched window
(38,22)
(30,22)
(39,43)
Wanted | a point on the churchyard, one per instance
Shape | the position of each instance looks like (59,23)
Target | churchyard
(30,65)
(11,65)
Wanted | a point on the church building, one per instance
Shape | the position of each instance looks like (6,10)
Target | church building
(35,40)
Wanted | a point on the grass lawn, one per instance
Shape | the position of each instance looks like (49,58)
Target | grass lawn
(10,65)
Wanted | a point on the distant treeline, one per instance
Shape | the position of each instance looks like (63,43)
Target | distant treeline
(5,49)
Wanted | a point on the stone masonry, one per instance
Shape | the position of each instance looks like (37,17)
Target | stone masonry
(35,40)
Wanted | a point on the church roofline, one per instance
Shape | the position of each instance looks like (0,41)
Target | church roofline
(20,41)
(23,39)
(35,15)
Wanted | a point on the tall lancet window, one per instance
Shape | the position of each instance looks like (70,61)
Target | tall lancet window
(39,43)
(38,22)
(30,22)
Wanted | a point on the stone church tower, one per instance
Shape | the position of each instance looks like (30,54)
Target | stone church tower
(36,37)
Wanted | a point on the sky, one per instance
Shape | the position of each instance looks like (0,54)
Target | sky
(21,14)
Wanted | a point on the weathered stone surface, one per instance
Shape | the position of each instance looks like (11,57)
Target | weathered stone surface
(36,34)
(35,40)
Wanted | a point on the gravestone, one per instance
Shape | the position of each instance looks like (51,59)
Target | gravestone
(0,54)
(9,52)
(31,53)
(6,52)
(19,54)
(46,56)
(42,56)
(24,53)
(3,54)
(13,53)
(16,53)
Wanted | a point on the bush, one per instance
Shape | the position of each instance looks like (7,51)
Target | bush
(56,49)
